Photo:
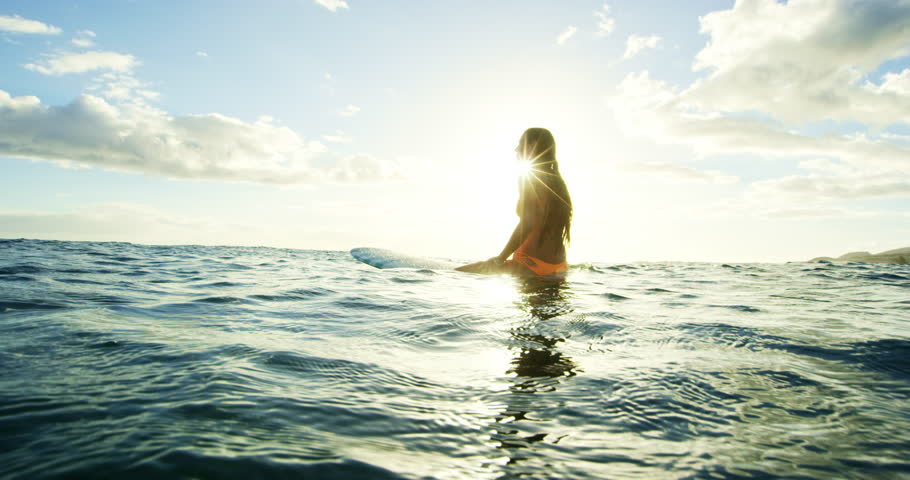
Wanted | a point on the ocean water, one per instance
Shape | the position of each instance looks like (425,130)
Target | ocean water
(132,361)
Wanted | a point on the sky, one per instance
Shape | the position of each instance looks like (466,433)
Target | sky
(706,130)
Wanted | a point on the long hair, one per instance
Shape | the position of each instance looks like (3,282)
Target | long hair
(538,146)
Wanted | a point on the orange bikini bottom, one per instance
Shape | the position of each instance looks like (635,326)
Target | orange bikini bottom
(540,267)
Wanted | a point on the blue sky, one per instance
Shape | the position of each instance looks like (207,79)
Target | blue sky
(706,130)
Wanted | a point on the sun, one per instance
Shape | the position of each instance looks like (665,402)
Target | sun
(521,168)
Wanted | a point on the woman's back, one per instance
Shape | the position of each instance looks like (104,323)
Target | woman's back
(539,211)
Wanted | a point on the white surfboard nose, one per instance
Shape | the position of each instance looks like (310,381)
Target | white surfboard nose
(382,258)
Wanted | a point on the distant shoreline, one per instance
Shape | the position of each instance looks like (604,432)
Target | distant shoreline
(899,256)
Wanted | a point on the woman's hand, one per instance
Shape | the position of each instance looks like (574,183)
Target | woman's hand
(491,265)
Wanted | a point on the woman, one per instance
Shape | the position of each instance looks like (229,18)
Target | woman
(538,243)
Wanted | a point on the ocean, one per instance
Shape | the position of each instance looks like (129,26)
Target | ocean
(132,361)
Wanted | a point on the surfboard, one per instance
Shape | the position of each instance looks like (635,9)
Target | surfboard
(382,258)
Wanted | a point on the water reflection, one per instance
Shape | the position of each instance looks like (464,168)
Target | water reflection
(537,369)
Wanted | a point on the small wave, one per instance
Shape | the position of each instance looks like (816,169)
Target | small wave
(135,273)
(75,270)
(658,290)
(887,276)
(587,267)
(79,281)
(221,300)
(786,379)
(613,296)
(20,269)
(822,275)
(100,298)
(366,304)
(409,280)
(310,292)
(209,464)
(672,407)
(889,355)
(8,306)
(741,308)
(109,263)
(18,278)
(293,295)
(340,370)
(732,336)
(238,266)
(219,285)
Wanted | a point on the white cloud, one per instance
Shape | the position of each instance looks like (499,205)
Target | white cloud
(566,35)
(357,168)
(676,173)
(332,5)
(805,60)
(349,111)
(605,23)
(136,138)
(652,108)
(843,185)
(64,63)
(800,213)
(148,94)
(894,83)
(772,68)
(338,137)
(84,39)
(17,24)
(636,43)
(200,53)
(122,87)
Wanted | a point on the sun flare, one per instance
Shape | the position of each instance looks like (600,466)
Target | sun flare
(522,168)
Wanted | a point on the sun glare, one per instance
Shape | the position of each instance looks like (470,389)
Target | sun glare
(521,167)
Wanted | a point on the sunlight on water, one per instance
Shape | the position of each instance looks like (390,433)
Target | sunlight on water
(239,362)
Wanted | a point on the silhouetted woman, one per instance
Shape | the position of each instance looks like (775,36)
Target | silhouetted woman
(538,243)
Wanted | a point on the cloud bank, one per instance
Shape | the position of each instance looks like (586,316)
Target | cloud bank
(806,60)
(774,69)
(140,139)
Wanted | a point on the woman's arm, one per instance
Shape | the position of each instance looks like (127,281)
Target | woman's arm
(494,265)
(529,215)
(519,235)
